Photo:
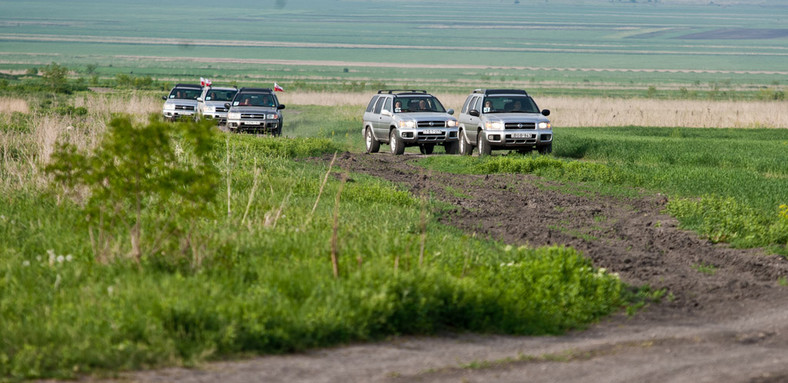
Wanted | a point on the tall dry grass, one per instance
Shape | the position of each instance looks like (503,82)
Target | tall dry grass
(589,111)
(10,105)
(26,150)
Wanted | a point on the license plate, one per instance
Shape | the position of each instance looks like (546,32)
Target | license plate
(521,135)
(432,131)
(251,122)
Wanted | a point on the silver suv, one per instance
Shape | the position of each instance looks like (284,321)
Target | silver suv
(255,110)
(408,118)
(210,104)
(181,102)
(503,119)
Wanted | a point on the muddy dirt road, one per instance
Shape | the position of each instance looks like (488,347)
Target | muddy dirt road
(724,319)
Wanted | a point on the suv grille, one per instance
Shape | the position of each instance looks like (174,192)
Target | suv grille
(520,125)
(432,124)
(259,116)
(184,107)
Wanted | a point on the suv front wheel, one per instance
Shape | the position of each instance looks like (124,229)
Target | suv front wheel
(397,146)
(484,146)
(372,144)
(465,148)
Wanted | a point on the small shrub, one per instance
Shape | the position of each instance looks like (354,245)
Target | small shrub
(141,175)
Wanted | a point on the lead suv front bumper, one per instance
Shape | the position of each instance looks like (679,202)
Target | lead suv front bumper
(428,136)
(518,138)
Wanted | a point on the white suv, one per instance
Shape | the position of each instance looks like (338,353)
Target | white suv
(210,104)
(408,118)
(503,119)
(181,102)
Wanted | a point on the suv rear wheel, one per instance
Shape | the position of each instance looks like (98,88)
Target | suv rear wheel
(546,149)
(372,144)
(397,146)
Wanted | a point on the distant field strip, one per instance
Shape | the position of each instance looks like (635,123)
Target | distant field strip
(724,50)
(337,63)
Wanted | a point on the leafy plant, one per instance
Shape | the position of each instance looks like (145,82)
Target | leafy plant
(135,177)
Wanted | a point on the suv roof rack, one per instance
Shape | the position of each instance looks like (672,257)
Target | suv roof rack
(222,86)
(188,86)
(400,91)
(500,91)
(267,90)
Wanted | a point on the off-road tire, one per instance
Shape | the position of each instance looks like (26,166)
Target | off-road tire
(464,147)
(373,145)
(484,147)
(546,149)
(396,143)
(426,148)
(452,147)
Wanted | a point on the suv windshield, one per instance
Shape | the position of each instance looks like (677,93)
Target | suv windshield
(220,95)
(254,99)
(509,104)
(185,93)
(406,104)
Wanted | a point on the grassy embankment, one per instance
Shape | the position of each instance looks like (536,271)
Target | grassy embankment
(255,274)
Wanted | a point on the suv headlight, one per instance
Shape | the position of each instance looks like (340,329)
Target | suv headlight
(271,116)
(543,125)
(234,115)
(451,123)
(494,125)
(407,124)
(169,106)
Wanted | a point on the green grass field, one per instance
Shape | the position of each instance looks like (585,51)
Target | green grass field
(556,46)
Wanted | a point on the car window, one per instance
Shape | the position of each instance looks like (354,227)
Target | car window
(220,95)
(185,93)
(254,99)
(379,105)
(465,105)
(475,103)
(420,104)
(511,104)
(387,105)
(372,103)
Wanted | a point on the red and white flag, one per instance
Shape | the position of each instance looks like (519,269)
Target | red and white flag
(278,88)
(202,81)
(208,82)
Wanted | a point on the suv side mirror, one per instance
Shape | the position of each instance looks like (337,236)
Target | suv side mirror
(386,113)
(474,112)
(199,99)
(280,106)
(450,111)
(164,98)
(226,105)
(545,112)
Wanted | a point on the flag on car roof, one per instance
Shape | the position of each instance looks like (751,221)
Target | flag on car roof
(278,88)
(202,81)
(208,82)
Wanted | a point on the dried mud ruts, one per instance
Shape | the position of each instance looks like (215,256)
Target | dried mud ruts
(630,236)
